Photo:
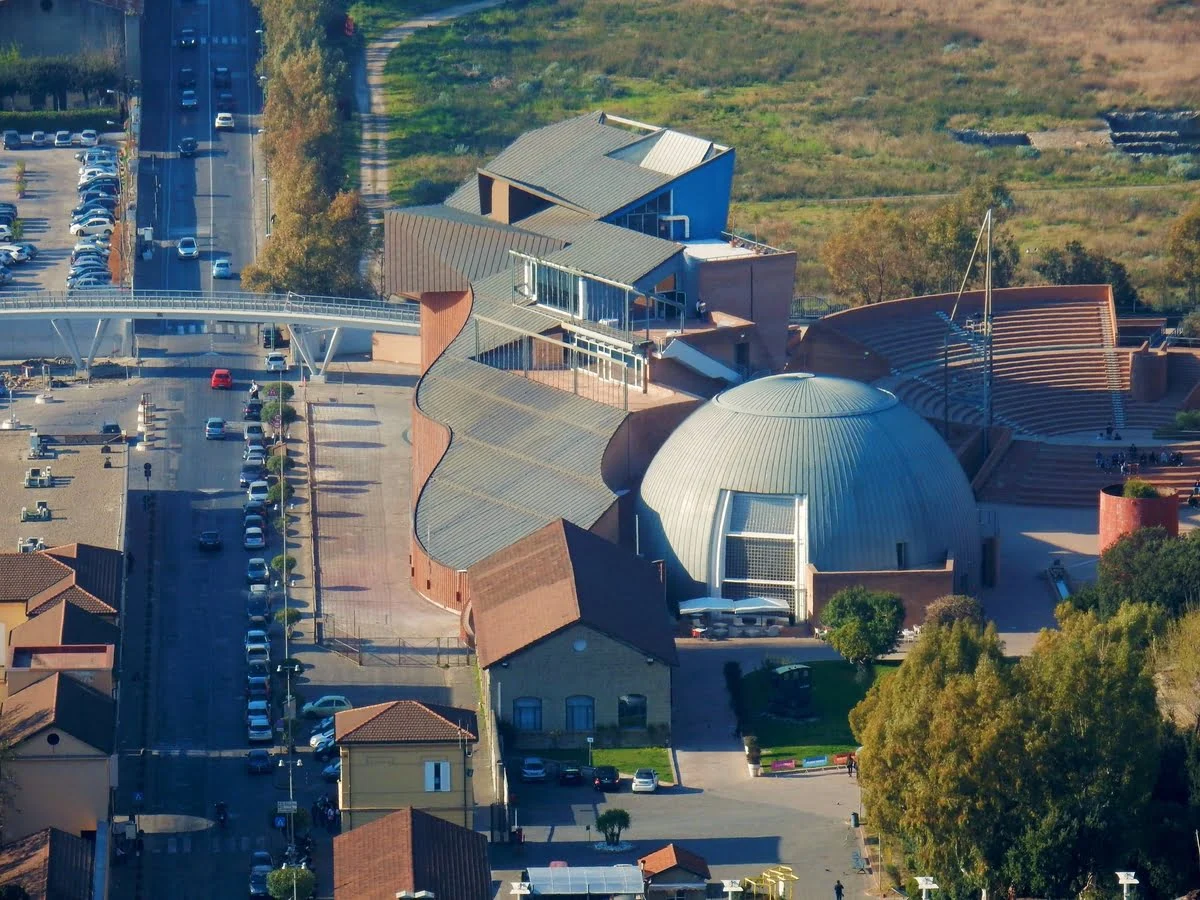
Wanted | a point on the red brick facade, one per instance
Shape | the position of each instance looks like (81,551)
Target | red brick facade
(1120,515)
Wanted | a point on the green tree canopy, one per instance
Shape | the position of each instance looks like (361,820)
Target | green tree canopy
(1032,773)
(1075,264)
(863,624)
(954,608)
(283,884)
(1183,251)
(874,258)
(1145,566)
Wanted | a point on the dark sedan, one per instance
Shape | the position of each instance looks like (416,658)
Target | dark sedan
(250,474)
(187,146)
(569,775)
(258,762)
(252,411)
(209,540)
(188,39)
(607,778)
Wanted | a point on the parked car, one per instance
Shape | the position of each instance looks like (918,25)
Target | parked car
(62,139)
(209,540)
(259,762)
(254,539)
(257,571)
(253,448)
(259,729)
(645,781)
(276,361)
(252,412)
(222,268)
(325,750)
(221,379)
(223,122)
(89,137)
(319,737)
(606,778)
(257,461)
(214,429)
(333,771)
(326,706)
(257,609)
(258,687)
(254,507)
(94,225)
(187,248)
(188,146)
(533,769)
(12,140)
(257,708)
(258,490)
(40,139)
(569,775)
(258,653)
(250,474)
(321,727)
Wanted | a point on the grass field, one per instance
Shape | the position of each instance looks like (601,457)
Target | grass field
(627,759)
(837,687)
(823,102)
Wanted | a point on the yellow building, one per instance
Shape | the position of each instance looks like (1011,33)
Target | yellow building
(61,733)
(406,753)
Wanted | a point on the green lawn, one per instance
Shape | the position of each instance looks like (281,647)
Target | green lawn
(373,17)
(837,687)
(784,84)
(626,759)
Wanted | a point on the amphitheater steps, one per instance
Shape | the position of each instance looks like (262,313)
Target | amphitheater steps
(1035,474)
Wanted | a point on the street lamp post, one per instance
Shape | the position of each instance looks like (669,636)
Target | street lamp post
(1126,880)
(266,180)
(926,884)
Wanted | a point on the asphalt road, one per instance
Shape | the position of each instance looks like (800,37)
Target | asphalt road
(185,626)
(209,196)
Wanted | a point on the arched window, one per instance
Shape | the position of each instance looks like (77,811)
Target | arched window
(527,714)
(581,714)
(631,711)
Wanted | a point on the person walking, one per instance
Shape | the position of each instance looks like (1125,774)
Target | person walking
(837,890)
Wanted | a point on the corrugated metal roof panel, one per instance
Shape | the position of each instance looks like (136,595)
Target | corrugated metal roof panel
(557,221)
(466,196)
(873,472)
(674,153)
(614,252)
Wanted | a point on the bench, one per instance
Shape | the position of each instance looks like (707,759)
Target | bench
(859,863)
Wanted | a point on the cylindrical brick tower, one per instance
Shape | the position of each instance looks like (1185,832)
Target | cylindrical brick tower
(1121,515)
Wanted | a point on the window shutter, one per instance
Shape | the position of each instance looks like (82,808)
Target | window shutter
(445,775)
(430,774)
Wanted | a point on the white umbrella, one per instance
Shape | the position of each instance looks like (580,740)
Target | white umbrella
(705,605)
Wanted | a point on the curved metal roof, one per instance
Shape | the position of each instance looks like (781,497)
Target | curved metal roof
(874,474)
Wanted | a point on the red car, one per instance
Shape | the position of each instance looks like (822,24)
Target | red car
(222,379)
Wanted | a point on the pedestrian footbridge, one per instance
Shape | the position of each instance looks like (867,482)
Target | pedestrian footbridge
(304,315)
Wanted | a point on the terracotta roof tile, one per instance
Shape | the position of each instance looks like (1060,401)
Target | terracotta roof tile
(49,864)
(62,702)
(64,624)
(560,575)
(405,721)
(411,850)
(25,575)
(673,856)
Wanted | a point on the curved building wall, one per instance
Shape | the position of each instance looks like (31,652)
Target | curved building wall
(872,475)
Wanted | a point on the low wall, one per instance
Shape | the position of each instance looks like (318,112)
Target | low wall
(1002,439)
(916,587)
(1147,375)
(1120,515)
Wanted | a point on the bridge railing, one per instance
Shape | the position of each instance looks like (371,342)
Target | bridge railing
(271,305)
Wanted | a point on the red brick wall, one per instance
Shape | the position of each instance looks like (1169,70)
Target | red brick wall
(670,374)
(1147,375)
(757,288)
(1122,515)
(442,318)
(826,352)
(916,587)
(638,438)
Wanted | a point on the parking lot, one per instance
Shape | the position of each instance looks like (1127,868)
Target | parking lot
(52,175)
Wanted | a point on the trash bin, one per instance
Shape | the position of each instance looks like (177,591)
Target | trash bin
(853,820)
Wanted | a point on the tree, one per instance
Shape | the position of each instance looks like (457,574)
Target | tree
(1183,251)
(873,258)
(1177,670)
(611,823)
(954,608)
(863,624)
(280,491)
(948,233)
(1147,566)
(1075,264)
(283,884)
(274,409)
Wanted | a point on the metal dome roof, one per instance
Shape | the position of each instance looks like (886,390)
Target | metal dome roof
(874,474)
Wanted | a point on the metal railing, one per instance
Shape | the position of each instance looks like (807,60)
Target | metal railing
(199,304)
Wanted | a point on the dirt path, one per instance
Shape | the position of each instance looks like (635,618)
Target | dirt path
(372,102)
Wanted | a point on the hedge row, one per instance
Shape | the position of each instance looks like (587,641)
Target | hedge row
(50,120)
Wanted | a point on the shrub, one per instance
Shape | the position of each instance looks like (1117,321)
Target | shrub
(954,608)
(865,624)
(280,492)
(278,389)
(1137,489)
(279,462)
(1188,420)
(288,617)
(284,411)
(57,120)
(282,562)
(300,884)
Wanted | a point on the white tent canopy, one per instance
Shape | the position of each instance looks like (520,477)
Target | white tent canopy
(746,606)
